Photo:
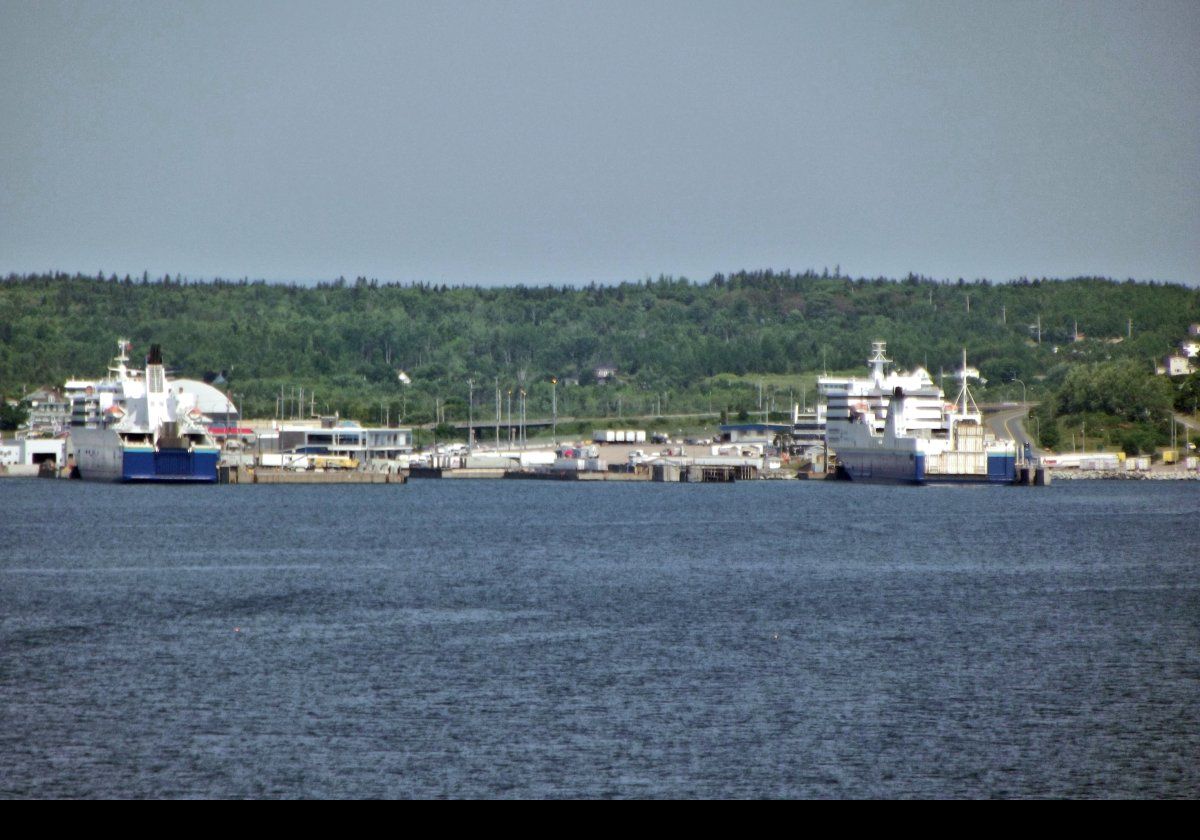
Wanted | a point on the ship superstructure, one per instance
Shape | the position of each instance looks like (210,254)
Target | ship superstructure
(896,426)
(133,426)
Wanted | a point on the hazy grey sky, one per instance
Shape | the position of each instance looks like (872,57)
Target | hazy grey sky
(561,142)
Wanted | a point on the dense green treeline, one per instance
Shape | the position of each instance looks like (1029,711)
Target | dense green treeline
(678,346)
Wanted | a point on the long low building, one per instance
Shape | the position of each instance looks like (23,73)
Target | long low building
(25,456)
(345,439)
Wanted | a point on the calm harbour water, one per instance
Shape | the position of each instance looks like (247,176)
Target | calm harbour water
(490,638)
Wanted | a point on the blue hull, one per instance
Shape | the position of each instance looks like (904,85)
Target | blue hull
(170,465)
(907,468)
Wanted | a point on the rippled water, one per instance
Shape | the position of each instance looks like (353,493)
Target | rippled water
(489,638)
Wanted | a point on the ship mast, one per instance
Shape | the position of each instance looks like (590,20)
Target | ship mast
(877,361)
(964,403)
(122,357)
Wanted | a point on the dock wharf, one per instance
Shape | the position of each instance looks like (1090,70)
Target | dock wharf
(456,472)
(1032,475)
(576,475)
(242,475)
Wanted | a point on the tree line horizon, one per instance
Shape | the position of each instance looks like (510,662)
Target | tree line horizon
(678,346)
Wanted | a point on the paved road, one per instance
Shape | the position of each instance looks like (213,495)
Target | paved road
(1008,424)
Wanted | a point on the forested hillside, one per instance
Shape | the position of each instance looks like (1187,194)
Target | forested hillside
(677,345)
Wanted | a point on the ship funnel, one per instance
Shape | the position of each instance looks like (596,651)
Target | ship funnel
(894,425)
(156,386)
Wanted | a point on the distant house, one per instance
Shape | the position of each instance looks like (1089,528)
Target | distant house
(604,373)
(1175,365)
(49,410)
(1185,360)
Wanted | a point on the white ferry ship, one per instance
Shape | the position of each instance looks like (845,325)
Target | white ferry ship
(897,427)
(133,426)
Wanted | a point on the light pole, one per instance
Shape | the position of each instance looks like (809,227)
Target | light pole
(471,416)
(554,409)
(523,418)
(1022,389)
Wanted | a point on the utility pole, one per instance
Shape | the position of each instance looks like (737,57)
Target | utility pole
(521,390)
(470,416)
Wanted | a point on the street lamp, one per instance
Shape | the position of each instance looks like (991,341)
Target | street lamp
(523,430)
(1014,379)
(554,409)
(471,416)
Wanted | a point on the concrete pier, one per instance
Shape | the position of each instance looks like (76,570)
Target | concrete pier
(243,475)
(1030,475)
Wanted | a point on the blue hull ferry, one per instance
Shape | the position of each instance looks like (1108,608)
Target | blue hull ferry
(133,426)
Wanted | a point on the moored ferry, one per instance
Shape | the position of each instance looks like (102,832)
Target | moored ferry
(134,426)
(897,427)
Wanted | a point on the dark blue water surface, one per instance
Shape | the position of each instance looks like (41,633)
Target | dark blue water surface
(492,638)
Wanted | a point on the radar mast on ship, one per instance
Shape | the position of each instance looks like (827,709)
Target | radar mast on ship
(877,361)
(119,367)
(964,403)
